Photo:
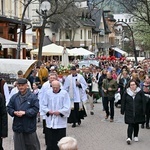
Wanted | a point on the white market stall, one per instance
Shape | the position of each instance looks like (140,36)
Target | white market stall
(56,50)
(10,67)
(49,50)
(79,52)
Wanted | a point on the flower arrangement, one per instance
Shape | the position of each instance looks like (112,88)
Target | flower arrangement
(64,71)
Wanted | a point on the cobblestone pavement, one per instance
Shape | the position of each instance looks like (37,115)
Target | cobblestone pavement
(96,133)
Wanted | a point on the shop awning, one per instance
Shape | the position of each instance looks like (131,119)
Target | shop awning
(11,44)
(120,51)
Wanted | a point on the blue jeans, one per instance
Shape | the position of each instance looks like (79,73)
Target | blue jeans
(107,101)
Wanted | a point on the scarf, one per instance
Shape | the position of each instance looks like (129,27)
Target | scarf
(133,93)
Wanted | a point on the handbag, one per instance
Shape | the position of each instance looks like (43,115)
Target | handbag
(94,87)
(117,97)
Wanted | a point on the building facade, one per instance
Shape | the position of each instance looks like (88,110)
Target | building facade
(10,23)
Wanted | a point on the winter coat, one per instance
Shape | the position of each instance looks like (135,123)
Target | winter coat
(133,107)
(28,103)
(123,85)
(3,118)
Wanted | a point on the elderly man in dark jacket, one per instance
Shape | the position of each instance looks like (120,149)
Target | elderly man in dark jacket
(24,106)
(3,120)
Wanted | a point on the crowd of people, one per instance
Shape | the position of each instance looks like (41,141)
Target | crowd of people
(59,99)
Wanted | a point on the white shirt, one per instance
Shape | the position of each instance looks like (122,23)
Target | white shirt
(6,92)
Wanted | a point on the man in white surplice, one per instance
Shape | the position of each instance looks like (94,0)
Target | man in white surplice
(46,86)
(56,106)
(76,86)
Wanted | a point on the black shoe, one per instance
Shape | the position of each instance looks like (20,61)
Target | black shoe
(142,126)
(147,126)
(92,113)
(39,120)
(116,105)
(79,122)
(74,125)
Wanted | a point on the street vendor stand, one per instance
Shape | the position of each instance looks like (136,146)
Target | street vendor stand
(10,67)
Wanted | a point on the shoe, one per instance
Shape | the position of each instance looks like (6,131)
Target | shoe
(128,141)
(147,127)
(136,139)
(79,122)
(142,126)
(111,120)
(116,105)
(92,113)
(106,117)
(74,125)
(39,120)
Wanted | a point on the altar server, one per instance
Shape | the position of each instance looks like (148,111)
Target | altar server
(56,106)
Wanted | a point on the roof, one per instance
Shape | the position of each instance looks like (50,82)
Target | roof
(46,41)
(11,44)
(87,22)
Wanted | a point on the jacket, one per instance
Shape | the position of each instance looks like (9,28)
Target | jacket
(109,84)
(28,103)
(3,118)
(133,108)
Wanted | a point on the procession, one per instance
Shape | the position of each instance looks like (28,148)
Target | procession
(74,75)
(57,98)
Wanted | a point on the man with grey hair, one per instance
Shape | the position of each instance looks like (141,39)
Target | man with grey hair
(46,86)
(68,143)
(24,106)
(56,107)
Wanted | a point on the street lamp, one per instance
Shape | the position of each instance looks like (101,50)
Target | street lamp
(44,8)
(21,26)
(134,48)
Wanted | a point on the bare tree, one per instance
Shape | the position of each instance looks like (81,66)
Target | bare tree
(57,7)
(140,9)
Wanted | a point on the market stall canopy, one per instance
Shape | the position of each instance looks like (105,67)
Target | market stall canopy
(133,58)
(50,50)
(11,44)
(120,51)
(12,66)
(79,52)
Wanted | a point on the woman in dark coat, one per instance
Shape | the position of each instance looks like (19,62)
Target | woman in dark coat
(133,105)
(3,120)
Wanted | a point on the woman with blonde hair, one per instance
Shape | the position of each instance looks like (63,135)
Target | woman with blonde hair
(68,143)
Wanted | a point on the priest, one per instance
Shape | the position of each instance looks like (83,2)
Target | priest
(76,86)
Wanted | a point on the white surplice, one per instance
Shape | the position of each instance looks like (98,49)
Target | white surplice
(56,102)
(76,94)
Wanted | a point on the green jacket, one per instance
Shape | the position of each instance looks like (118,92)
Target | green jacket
(109,84)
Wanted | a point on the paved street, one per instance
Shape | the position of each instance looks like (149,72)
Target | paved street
(97,134)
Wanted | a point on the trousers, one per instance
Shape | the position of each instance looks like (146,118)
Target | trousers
(133,129)
(106,103)
(1,144)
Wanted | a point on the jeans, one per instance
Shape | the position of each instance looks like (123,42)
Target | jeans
(108,101)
